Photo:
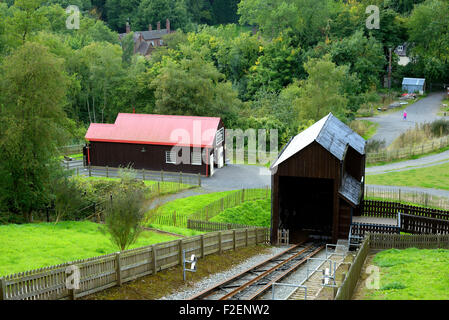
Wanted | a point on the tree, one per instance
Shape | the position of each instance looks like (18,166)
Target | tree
(428,29)
(124,212)
(26,19)
(306,18)
(153,11)
(194,87)
(323,91)
(32,96)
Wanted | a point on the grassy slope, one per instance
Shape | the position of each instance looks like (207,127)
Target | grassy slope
(190,205)
(30,246)
(255,213)
(431,177)
(412,274)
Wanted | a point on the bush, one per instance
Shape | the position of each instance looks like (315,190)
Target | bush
(440,128)
(375,145)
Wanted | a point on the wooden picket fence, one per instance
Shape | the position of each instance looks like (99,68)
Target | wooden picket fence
(387,209)
(381,241)
(208,226)
(100,273)
(399,195)
(386,155)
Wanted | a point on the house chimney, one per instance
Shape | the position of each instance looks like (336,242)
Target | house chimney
(159,25)
(128,27)
(150,27)
(167,25)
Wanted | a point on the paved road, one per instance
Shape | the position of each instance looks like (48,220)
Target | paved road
(428,161)
(391,125)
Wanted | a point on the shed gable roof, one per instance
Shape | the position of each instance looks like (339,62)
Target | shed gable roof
(413,81)
(330,133)
(156,129)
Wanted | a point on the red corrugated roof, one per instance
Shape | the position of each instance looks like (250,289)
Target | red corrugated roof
(156,129)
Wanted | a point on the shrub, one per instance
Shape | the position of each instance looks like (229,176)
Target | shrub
(440,128)
(375,145)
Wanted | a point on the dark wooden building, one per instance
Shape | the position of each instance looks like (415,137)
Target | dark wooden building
(317,182)
(158,142)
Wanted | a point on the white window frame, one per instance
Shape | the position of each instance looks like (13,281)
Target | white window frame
(219,136)
(170,157)
(197,157)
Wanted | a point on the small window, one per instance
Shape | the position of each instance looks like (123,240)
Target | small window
(220,136)
(196,157)
(170,157)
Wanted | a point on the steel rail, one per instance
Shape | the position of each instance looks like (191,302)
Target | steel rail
(267,286)
(210,291)
(264,274)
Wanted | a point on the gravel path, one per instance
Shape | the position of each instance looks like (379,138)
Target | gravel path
(391,125)
(216,278)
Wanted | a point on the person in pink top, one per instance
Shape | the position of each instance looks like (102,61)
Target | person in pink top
(405,114)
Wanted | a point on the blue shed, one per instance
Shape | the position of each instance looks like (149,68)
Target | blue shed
(414,85)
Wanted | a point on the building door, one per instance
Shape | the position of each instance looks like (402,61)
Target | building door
(220,157)
(211,165)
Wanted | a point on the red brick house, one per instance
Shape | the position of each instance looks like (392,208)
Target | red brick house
(146,41)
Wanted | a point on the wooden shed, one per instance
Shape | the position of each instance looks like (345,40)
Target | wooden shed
(158,142)
(317,182)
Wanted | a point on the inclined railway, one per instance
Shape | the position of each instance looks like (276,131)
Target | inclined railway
(254,282)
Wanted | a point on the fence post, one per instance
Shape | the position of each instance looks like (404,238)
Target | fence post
(219,242)
(162,175)
(107,172)
(233,239)
(143,174)
(118,269)
(243,195)
(202,246)
(180,251)
(199,179)
(77,171)
(90,171)
(174,218)
(246,237)
(2,289)
(158,188)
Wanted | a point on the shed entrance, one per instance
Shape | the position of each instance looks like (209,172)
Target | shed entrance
(306,207)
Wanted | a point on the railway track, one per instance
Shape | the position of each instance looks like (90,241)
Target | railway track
(254,282)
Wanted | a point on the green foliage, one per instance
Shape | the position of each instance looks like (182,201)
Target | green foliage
(124,213)
(324,90)
(32,96)
(194,87)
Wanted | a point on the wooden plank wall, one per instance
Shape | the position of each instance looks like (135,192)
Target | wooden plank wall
(110,270)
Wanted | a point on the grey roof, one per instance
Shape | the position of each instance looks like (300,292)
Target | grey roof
(413,81)
(147,35)
(351,189)
(143,48)
(330,133)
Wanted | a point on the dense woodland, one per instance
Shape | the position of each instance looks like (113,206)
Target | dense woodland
(307,58)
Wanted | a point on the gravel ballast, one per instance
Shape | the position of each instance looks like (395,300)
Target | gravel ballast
(217,278)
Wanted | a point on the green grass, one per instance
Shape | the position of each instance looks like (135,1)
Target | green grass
(253,213)
(412,274)
(431,177)
(186,206)
(177,230)
(30,246)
